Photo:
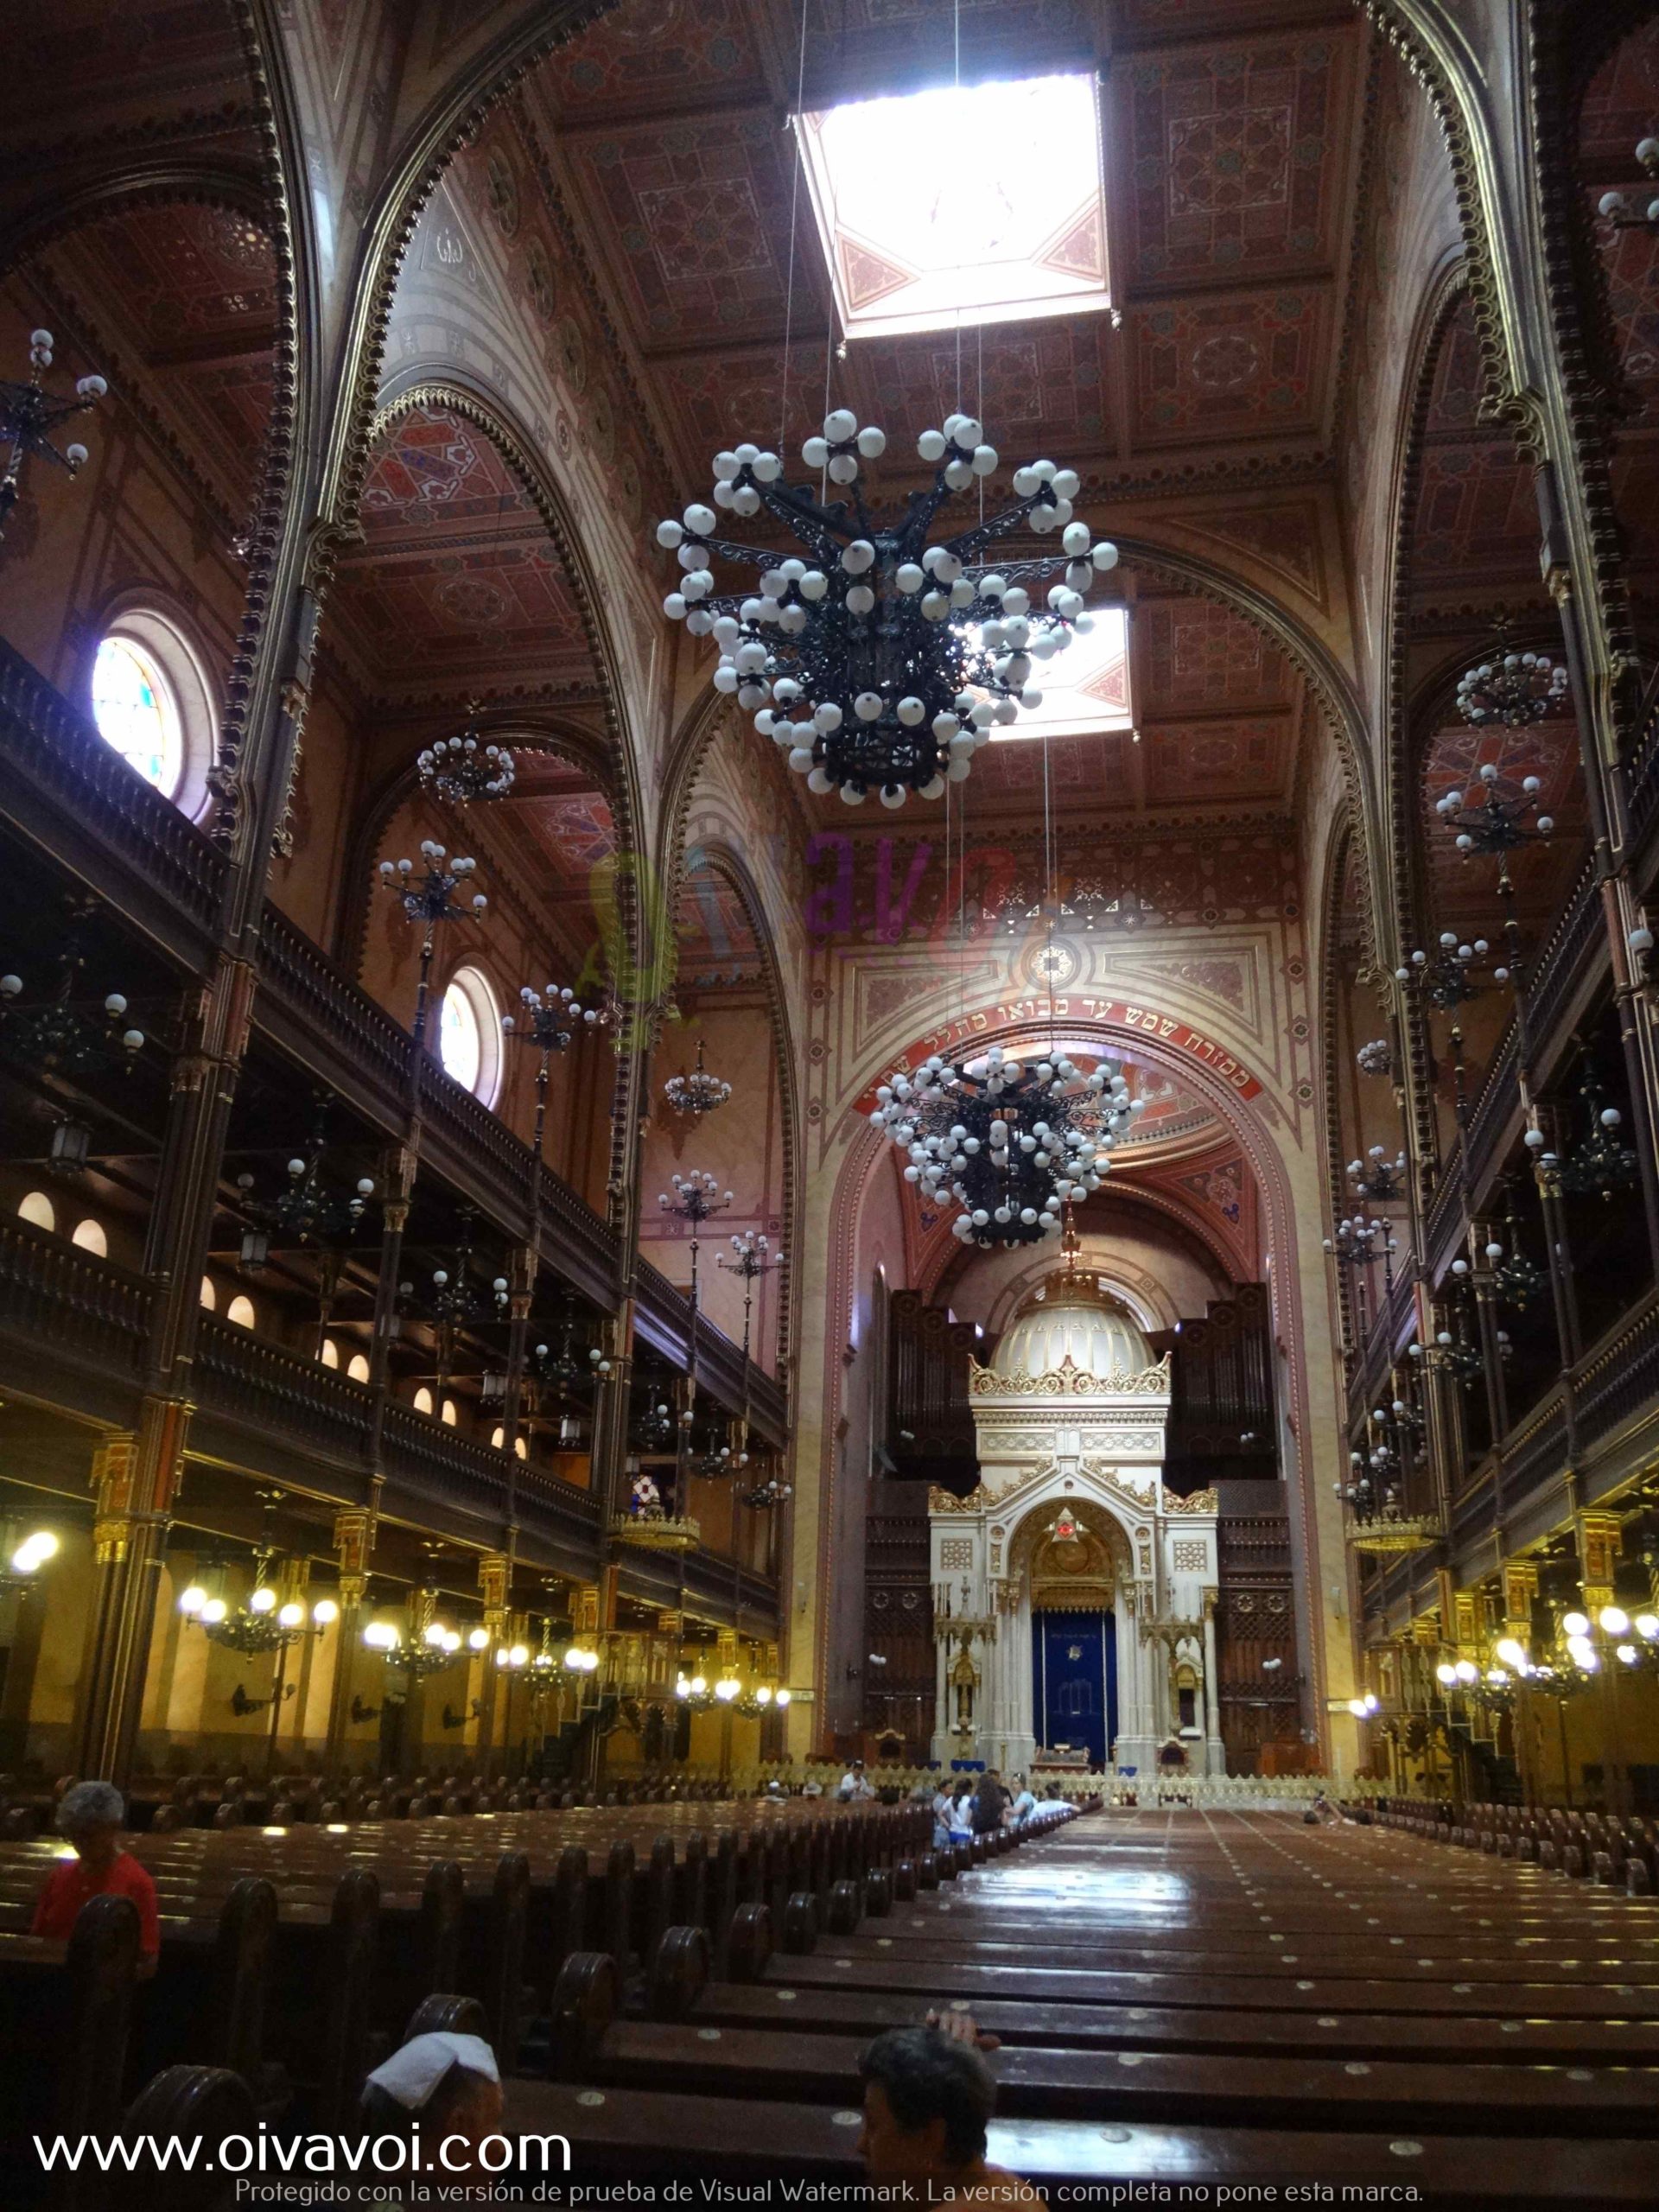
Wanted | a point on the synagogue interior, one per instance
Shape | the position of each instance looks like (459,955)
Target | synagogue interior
(829,1077)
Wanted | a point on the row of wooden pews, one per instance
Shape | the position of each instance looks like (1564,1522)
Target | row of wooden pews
(1607,1847)
(294,1958)
(1237,2003)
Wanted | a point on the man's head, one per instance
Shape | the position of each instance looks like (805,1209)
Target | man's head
(90,1816)
(927,2102)
(448,2083)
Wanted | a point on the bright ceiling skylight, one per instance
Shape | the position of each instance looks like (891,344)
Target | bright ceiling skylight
(982,204)
(1085,689)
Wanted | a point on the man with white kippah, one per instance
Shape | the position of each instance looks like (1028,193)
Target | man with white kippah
(442,2093)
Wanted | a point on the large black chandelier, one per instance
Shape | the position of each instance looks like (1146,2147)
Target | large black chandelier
(698,1091)
(1616,207)
(29,416)
(884,659)
(1009,1141)
(1487,821)
(460,769)
(307,1211)
(1511,690)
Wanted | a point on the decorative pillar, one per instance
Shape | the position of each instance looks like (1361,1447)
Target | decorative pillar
(495,1580)
(1598,1545)
(354,1528)
(1217,1759)
(136,1477)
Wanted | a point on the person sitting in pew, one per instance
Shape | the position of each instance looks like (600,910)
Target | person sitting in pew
(448,2089)
(1024,1805)
(90,1817)
(928,2096)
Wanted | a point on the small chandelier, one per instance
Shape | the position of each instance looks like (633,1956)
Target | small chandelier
(1493,823)
(450,1297)
(1601,1163)
(306,1212)
(61,1037)
(29,415)
(264,1623)
(1511,690)
(1358,1242)
(429,1648)
(697,1093)
(1515,1277)
(767,1495)
(1004,1139)
(439,893)
(461,769)
(1445,978)
(551,1019)
(884,660)
(654,1430)
(1617,209)
(1375,1058)
(1376,1178)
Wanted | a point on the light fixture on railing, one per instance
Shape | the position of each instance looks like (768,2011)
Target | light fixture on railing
(463,768)
(449,1298)
(697,1197)
(768,1493)
(1376,1178)
(1444,978)
(694,1693)
(1496,822)
(548,1021)
(1515,1277)
(1359,1242)
(441,893)
(1617,209)
(428,1651)
(30,415)
(883,660)
(698,1092)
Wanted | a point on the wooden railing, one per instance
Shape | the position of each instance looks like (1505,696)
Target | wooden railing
(54,1295)
(421,1454)
(664,1314)
(324,1009)
(263,1387)
(51,752)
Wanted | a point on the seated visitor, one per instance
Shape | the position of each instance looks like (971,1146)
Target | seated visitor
(960,1818)
(928,2096)
(90,1817)
(990,1803)
(1024,1805)
(855,1785)
(438,2092)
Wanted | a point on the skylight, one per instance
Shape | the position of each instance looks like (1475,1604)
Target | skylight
(980,204)
(1085,689)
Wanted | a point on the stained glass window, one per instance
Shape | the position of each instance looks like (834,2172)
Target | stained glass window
(137,714)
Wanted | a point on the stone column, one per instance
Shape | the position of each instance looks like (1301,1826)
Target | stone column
(1217,1762)
(354,1548)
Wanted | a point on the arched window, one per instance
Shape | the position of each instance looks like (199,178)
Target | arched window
(520,1449)
(358,1367)
(469,1035)
(497,1439)
(89,1235)
(38,1210)
(449,1417)
(330,1353)
(209,1296)
(135,712)
(152,702)
(240,1311)
(423,1400)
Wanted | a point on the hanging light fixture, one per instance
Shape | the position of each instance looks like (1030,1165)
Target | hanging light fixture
(1493,823)
(460,769)
(1376,1178)
(1511,690)
(698,1092)
(548,1021)
(1444,978)
(439,893)
(62,1035)
(1010,1142)
(1375,1058)
(1617,208)
(1601,1162)
(307,1211)
(884,659)
(1515,1277)
(264,1621)
(29,415)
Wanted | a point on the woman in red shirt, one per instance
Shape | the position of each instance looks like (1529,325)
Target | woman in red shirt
(90,1816)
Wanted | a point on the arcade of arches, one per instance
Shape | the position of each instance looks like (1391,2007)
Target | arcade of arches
(341,1434)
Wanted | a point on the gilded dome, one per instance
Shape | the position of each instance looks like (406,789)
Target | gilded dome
(1098,1339)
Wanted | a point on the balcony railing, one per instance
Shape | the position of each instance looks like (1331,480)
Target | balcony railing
(52,754)
(264,1387)
(423,1455)
(59,778)
(664,1314)
(54,1295)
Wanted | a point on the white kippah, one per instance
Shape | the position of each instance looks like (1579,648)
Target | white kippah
(412,2072)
